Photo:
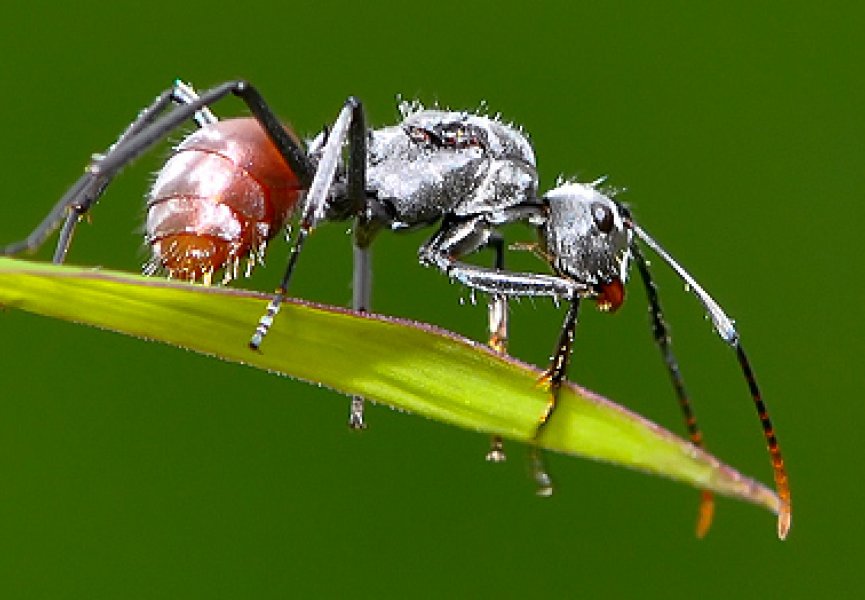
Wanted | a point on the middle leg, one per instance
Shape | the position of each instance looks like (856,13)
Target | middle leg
(497,308)
(315,209)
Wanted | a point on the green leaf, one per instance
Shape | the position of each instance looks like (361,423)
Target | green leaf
(407,365)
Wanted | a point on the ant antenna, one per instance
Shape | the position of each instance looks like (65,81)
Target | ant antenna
(720,321)
(724,327)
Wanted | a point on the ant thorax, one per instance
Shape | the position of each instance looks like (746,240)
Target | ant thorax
(438,162)
(585,236)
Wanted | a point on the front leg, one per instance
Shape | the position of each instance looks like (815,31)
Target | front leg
(455,239)
(497,311)
(458,238)
(361,283)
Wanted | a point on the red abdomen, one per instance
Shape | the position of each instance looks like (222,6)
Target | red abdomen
(224,193)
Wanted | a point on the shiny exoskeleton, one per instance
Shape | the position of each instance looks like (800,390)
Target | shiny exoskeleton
(233,185)
(218,200)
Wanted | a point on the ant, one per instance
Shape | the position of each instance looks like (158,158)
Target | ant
(232,186)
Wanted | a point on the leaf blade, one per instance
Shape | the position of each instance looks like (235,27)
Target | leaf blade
(411,366)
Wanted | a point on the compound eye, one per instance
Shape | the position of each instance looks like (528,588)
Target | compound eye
(603,217)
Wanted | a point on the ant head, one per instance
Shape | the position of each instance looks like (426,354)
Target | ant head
(587,239)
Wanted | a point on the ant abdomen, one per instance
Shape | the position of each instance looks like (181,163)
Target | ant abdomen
(224,193)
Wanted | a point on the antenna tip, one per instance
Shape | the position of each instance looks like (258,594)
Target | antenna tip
(785,520)
(706,513)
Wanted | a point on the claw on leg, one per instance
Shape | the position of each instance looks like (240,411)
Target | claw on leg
(355,415)
(543,481)
(497,451)
(545,381)
(498,341)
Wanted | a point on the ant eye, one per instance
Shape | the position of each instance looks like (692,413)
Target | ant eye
(603,217)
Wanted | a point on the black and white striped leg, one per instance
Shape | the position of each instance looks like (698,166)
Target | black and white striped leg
(344,128)
(461,237)
(361,297)
(361,284)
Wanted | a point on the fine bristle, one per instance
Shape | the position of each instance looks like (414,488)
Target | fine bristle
(191,257)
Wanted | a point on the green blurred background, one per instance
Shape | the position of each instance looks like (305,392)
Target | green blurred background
(130,469)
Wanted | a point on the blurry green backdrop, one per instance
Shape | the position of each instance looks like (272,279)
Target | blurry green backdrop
(130,469)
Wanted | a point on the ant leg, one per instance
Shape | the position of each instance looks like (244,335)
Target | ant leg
(184,93)
(498,328)
(558,370)
(192,106)
(315,208)
(79,198)
(361,253)
(360,301)
(102,169)
(364,232)
(663,340)
(290,150)
(181,93)
(554,377)
(456,239)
